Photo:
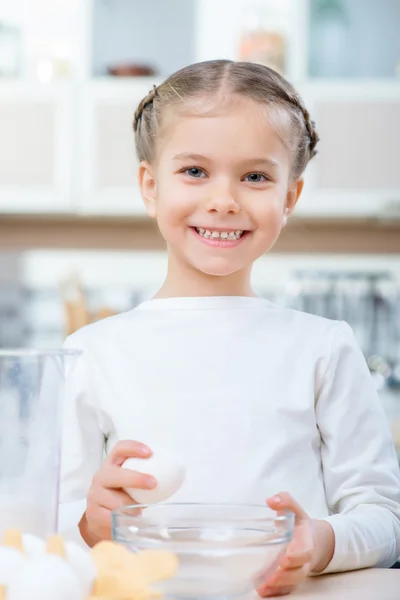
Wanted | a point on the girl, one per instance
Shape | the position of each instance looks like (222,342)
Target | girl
(257,398)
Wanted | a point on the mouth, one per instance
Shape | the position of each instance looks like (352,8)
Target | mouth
(222,239)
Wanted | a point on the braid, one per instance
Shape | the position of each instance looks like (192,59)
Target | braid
(147,101)
(309,123)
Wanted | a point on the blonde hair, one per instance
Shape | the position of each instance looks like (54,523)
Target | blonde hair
(214,79)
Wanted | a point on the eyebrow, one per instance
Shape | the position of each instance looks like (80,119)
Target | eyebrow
(269,162)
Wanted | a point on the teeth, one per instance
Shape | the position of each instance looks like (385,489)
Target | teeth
(223,235)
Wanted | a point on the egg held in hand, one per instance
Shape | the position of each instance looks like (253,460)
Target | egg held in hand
(168,470)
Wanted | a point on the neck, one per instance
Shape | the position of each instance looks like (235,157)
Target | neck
(185,280)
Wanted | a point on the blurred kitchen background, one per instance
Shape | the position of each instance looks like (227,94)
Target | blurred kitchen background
(75,243)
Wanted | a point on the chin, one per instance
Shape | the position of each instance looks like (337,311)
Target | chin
(217,268)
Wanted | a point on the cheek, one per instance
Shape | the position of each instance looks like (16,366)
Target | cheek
(269,215)
(172,211)
(176,201)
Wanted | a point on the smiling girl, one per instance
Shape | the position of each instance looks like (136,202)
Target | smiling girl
(265,403)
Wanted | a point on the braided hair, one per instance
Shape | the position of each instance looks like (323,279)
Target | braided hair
(146,101)
(218,78)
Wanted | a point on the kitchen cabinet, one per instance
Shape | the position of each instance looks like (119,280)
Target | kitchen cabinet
(36,145)
(108,164)
(355,173)
(352,89)
(86,163)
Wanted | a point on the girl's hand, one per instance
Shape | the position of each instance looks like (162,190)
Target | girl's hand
(107,490)
(311,549)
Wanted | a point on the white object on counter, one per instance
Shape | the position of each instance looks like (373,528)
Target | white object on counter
(83,566)
(33,545)
(11,563)
(166,467)
(46,578)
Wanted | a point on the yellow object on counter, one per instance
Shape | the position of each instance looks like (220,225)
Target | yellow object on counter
(13,539)
(55,545)
(128,575)
(121,574)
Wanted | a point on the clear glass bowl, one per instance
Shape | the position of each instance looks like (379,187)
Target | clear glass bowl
(224,550)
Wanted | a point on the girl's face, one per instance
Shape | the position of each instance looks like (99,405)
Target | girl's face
(220,188)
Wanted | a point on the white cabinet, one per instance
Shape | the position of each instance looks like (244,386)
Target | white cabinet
(356,105)
(36,141)
(71,146)
(356,171)
(108,164)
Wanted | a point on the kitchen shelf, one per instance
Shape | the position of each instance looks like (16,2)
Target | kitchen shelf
(124,31)
(339,39)
(302,235)
(67,145)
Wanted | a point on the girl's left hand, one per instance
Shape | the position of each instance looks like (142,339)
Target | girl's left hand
(298,559)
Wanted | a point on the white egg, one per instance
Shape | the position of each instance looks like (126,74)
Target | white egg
(46,578)
(166,467)
(12,563)
(83,566)
(33,545)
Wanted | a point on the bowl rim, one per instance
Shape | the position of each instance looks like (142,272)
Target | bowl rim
(125,511)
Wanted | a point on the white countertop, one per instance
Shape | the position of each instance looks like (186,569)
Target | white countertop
(368,584)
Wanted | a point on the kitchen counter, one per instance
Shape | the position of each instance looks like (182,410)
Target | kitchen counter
(368,584)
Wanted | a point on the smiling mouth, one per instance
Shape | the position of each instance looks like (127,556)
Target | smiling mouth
(225,236)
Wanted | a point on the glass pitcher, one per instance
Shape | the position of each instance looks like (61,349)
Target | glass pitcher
(32,387)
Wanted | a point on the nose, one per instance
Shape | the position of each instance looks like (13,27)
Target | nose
(222,201)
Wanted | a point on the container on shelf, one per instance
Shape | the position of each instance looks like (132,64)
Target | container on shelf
(339,39)
(263,38)
(10,50)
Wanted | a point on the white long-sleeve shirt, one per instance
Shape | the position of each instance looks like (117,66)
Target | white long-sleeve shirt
(258,399)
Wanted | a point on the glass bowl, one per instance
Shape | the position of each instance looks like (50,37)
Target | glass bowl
(224,550)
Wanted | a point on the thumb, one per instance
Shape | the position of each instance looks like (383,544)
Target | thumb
(284,501)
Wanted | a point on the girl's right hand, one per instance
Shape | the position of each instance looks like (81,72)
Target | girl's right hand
(107,490)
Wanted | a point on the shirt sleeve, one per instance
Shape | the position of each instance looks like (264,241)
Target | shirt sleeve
(82,443)
(360,466)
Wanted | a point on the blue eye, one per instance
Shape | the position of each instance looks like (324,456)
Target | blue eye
(195,172)
(255,177)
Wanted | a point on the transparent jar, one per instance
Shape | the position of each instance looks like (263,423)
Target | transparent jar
(32,387)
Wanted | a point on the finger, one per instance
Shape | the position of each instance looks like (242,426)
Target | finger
(127,449)
(112,499)
(113,477)
(269,592)
(301,548)
(284,578)
(284,501)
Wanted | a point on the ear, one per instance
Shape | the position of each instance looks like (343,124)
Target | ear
(148,187)
(292,196)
